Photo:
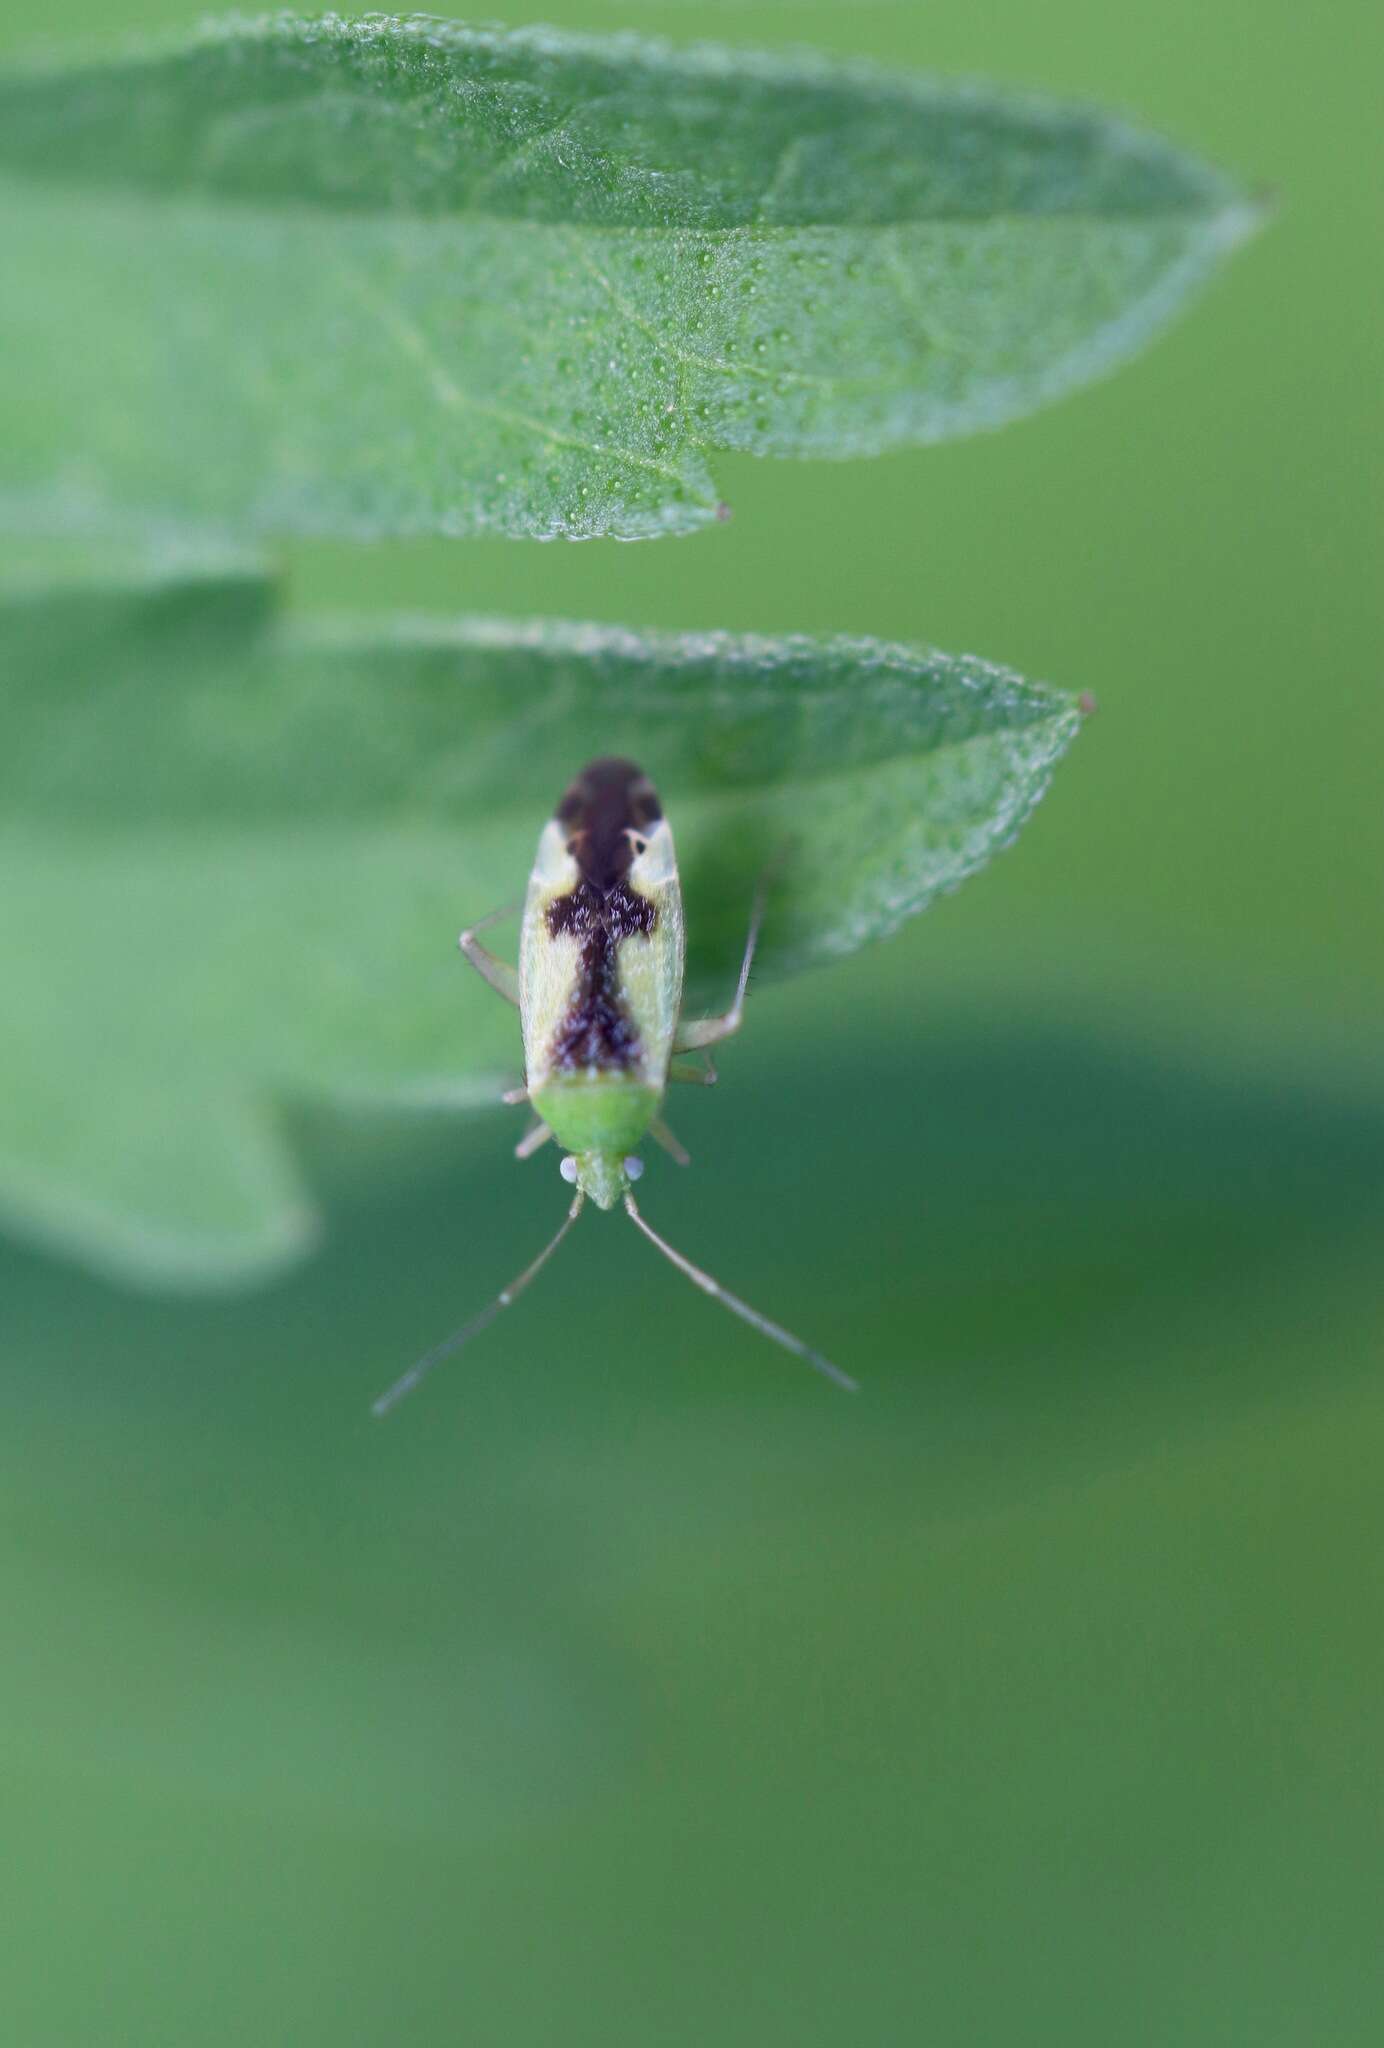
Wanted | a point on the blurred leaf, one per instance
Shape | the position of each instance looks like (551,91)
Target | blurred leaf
(237,851)
(388,276)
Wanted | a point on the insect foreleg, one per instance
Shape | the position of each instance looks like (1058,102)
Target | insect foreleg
(661,1135)
(503,978)
(536,1135)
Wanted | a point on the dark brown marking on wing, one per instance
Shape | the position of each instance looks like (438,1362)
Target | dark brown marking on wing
(606,814)
(611,805)
(597,1031)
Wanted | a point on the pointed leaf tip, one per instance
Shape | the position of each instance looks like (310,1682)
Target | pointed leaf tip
(491,281)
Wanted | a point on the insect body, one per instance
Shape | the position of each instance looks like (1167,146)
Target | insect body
(599,992)
(600,972)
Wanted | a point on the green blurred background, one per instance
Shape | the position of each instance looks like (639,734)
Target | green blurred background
(635,1688)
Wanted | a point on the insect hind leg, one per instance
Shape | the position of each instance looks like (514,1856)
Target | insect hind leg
(705,1031)
(503,978)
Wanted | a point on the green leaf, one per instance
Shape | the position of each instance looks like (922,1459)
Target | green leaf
(400,275)
(238,848)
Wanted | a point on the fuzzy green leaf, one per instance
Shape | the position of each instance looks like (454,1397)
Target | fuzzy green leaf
(401,275)
(237,851)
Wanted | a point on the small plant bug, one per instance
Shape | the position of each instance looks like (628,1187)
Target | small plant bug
(599,994)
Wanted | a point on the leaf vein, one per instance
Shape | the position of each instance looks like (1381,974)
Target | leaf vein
(450,393)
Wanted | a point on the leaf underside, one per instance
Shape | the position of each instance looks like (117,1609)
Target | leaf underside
(395,276)
(237,851)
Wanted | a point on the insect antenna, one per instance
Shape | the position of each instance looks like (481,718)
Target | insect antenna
(419,1372)
(741,1308)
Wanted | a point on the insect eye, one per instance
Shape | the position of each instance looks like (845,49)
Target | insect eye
(634,1166)
(568,1168)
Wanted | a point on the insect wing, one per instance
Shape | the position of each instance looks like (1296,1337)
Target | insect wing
(548,967)
(601,949)
(650,966)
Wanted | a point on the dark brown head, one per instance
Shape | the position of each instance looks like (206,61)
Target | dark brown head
(606,814)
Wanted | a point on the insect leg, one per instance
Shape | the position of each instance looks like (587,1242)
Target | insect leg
(536,1135)
(661,1135)
(704,1031)
(503,978)
(696,1077)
